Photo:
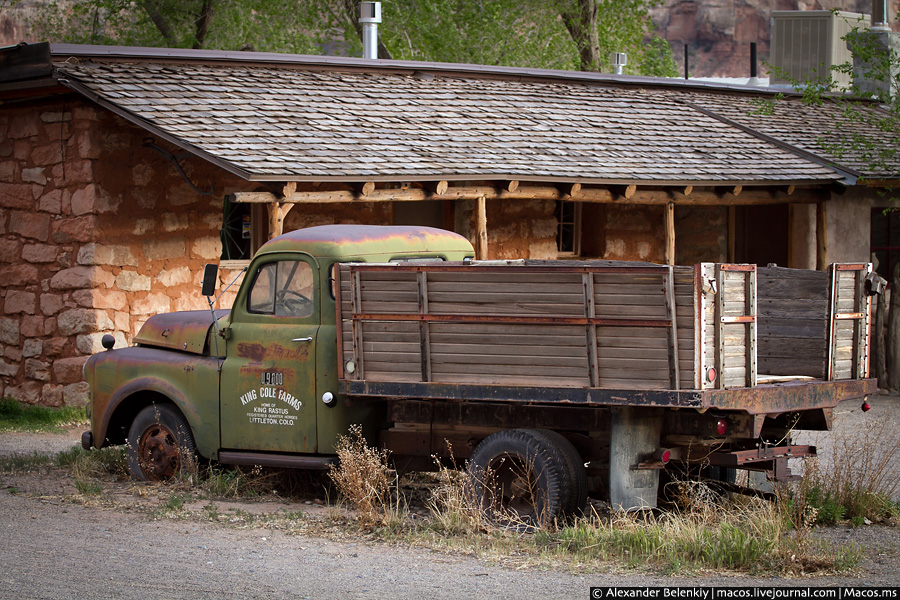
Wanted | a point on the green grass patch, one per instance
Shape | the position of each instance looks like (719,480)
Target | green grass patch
(15,416)
(26,463)
(857,487)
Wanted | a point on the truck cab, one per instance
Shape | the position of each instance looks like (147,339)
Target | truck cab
(258,385)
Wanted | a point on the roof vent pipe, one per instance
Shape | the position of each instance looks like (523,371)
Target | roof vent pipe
(618,60)
(369,18)
(754,80)
(880,15)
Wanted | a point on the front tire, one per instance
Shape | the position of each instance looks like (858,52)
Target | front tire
(160,444)
(520,478)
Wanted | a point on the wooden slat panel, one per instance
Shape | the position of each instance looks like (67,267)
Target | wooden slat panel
(523,353)
(500,361)
(437,286)
(498,349)
(517,309)
(471,275)
(573,373)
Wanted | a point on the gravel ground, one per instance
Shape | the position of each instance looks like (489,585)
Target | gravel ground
(53,548)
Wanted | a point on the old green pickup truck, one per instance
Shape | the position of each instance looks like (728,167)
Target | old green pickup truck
(554,379)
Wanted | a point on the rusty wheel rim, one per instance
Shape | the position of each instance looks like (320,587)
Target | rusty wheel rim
(158,453)
(515,486)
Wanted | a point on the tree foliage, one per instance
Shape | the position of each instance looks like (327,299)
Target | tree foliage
(555,34)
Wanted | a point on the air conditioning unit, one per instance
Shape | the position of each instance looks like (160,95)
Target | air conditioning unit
(805,44)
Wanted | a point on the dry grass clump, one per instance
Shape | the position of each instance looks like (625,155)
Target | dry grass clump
(364,479)
(453,505)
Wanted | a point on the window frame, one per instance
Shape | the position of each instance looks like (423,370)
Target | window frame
(575,224)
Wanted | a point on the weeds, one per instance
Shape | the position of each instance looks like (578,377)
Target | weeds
(750,537)
(364,479)
(453,505)
(25,463)
(858,485)
(26,417)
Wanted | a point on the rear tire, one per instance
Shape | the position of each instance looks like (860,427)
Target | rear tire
(520,478)
(577,473)
(160,444)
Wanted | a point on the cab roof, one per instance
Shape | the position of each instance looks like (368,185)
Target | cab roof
(384,242)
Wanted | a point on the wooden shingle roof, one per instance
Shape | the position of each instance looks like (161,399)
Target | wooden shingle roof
(282,118)
(856,136)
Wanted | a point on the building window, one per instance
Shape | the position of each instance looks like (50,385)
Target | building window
(568,228)
(244,229)
(885,243)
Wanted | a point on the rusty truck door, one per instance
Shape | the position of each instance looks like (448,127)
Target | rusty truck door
(269,374)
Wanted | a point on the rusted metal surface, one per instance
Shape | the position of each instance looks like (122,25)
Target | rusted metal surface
(773,460)
(158,453)
(743,458)
(761,400)
(789,396)
(524,394)
(286,461)
(185,331)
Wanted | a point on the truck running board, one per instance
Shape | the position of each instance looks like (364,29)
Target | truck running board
(285,461)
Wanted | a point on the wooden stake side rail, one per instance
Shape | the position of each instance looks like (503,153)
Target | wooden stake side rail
(849,310)
(568,325)
(583,325)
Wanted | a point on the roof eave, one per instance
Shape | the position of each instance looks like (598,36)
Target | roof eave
(410,66)
(143,124)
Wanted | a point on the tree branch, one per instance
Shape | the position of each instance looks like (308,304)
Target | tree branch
(582,26)
(153,11)
(203,22)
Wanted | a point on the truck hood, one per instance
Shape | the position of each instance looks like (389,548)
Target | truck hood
(185,331)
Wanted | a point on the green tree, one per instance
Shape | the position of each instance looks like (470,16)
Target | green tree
(555,34)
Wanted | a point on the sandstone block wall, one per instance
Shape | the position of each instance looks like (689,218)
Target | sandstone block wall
(97,233)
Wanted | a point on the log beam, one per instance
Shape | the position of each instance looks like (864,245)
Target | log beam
(821,237)
(482,241)
(277,213)
(689,195)
(670,233)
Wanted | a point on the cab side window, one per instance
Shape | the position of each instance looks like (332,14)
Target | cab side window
(283,289)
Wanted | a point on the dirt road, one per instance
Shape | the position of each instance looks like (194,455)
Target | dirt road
(51,548)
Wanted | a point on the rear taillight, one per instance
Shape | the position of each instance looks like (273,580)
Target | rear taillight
(721,426)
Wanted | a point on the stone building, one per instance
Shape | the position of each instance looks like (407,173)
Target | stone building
(124,170)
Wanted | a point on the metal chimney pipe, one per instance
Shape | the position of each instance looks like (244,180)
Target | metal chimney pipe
(880,16)
(752,59)
(618,60)
(369,18)
(754,80)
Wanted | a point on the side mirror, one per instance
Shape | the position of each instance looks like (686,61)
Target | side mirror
(210,278)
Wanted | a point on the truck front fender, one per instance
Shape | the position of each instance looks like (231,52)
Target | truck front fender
(125,381)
